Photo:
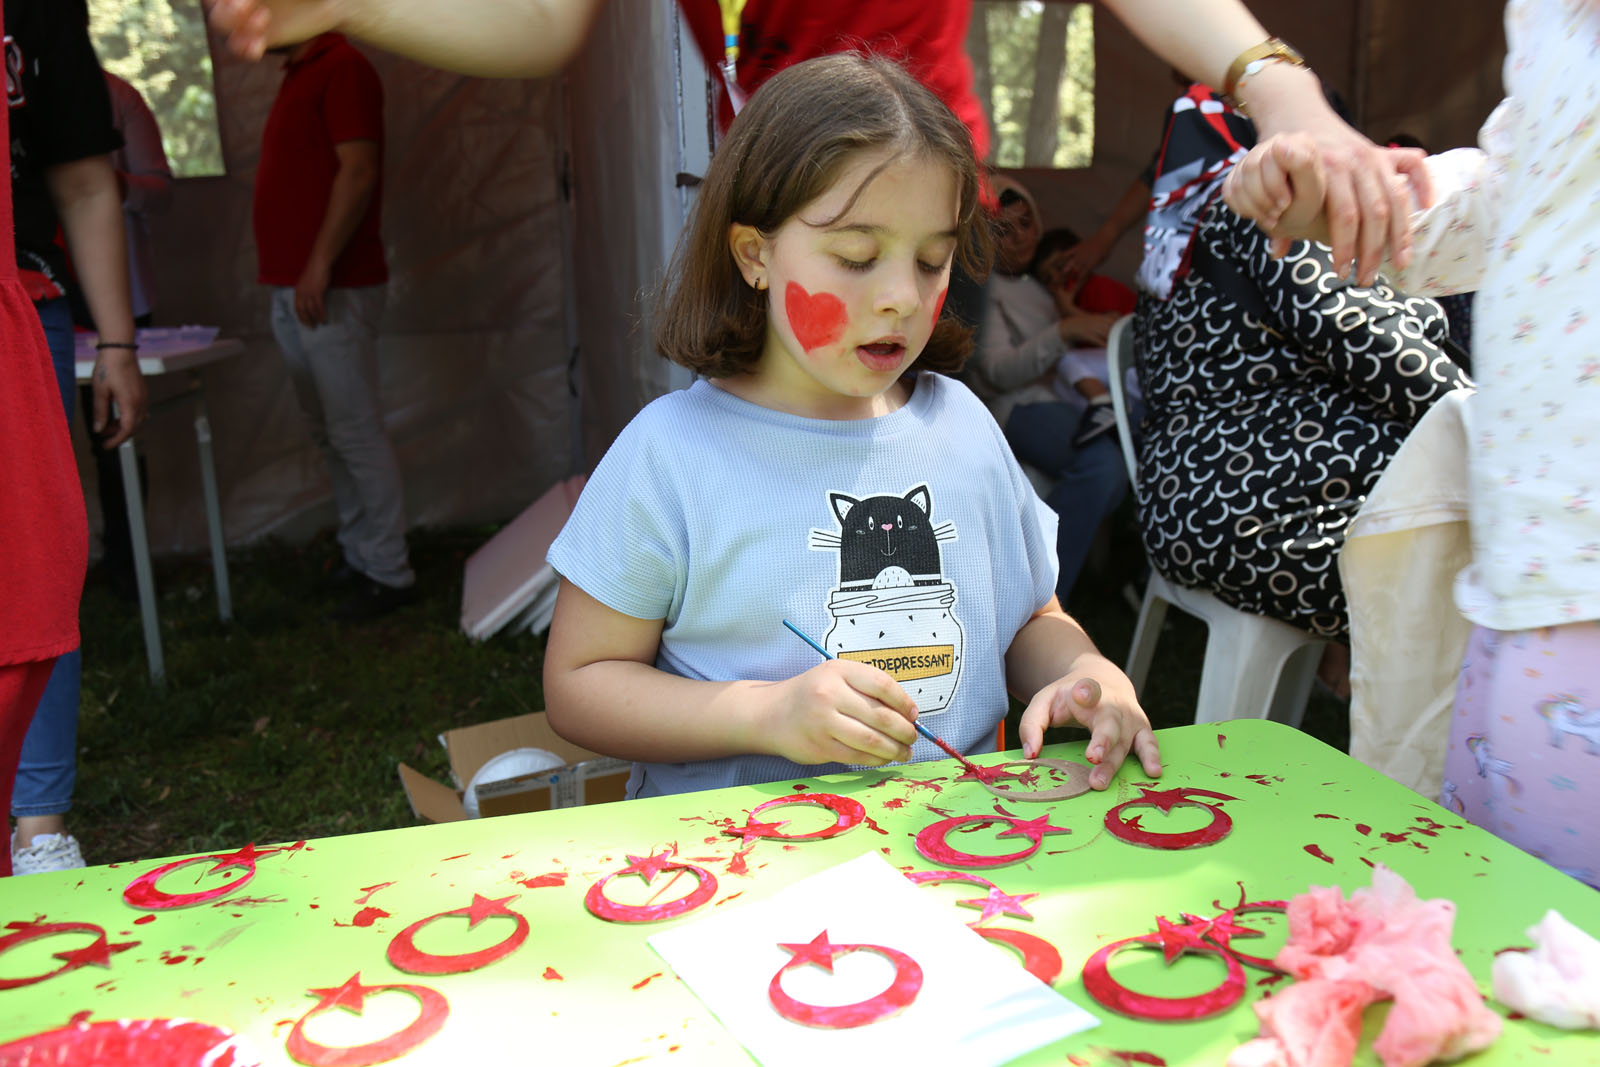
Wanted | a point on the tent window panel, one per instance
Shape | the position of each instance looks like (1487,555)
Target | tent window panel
(1034,67)
(160,47)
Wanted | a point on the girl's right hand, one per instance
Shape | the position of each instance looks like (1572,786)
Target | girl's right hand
(840,711)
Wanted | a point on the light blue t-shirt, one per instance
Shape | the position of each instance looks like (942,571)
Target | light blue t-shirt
(912,541)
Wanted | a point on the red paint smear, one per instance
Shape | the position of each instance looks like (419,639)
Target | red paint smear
(816,320)
(673,1048)
(737,865)
(641,983)
(730,896)
(148,1042)
(1222,740)
(368,890)
(553,975)
(1271,979)
(313,907)
(141,920)
(799,787)
(1139,1057)
(1225,774)
(875,827)
(1368,862)
(1319,816)
(1515,1015)
(1317,852)
(169,959)
(1077,1061)
(463,855)
(544,880)
(1363,828)
(79,1017)
(897,802)
(364,917)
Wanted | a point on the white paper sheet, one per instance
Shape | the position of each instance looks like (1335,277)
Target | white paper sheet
(976,1006)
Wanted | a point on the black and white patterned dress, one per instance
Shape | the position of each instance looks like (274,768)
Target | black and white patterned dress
(1276,394)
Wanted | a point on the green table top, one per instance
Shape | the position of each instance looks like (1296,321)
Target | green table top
(583,990)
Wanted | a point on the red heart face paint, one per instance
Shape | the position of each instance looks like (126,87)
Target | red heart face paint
(816,320)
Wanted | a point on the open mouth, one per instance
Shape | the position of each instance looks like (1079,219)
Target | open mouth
(881,355)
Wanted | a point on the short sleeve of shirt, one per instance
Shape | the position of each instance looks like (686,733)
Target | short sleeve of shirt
(353,104)
(72,120)
(625,543)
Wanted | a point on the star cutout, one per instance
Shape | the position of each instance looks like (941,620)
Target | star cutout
(244,857)
(1000,903)
(1178,938)
(351,996)
(1033,829)
(97,952)
(647,867)
(973,772)
(1223,929)
(819,950)
(755,829)
(482,907)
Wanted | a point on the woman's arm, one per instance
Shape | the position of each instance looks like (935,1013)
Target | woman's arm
(603,691)
(89,206)
(1054,666)
(1366,207)
(147,181)
(488,38)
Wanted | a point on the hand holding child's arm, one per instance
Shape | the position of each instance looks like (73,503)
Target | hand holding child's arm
(1053,663)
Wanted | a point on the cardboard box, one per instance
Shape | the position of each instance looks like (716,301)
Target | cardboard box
(586,778)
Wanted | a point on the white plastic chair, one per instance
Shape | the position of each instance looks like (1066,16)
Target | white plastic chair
(1255,667)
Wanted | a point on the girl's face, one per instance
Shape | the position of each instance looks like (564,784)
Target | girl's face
(852,297)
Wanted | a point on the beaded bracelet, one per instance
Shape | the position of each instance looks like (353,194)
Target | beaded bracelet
(132,346)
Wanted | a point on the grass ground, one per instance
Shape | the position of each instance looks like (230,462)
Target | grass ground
(283,725)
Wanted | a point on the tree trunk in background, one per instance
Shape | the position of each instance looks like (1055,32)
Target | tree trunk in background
(982,78)
(1044,109)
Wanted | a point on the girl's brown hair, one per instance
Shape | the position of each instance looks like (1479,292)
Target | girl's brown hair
(788,145)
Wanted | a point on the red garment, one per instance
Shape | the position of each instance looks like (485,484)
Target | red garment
(928,36)
(1101,295)
(44,533)
(330,95)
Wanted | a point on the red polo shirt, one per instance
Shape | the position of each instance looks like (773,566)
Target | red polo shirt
(329,95)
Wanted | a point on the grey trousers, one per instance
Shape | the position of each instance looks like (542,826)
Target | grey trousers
(334,368)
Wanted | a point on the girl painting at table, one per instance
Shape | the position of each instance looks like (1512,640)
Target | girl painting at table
(822,471)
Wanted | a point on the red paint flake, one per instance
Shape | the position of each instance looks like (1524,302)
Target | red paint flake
(730,896)
(1363,829)
(544,880)
(1077,1061)
(313,907)
(1515,1015)
(790,848)
(79,1017)
(873,826)
(897,802)
(1139,1057)
(141,920)
(1271,979)
(368,890)
(641,983)
(459,856)
(799,787)
(737,865)
(673,1048)
(1317,852)
(364,917)
(1321,816)
(1368,862)
(1222,740)
(553,975)
(170,959)
(282,1024)
(1393,839)
(1264,779)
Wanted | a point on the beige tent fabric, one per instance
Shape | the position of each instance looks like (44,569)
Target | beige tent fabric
(1407,639)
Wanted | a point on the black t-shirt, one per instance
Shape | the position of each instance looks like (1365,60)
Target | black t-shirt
(60,112)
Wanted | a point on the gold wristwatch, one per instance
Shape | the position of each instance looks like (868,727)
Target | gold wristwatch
(1251,60)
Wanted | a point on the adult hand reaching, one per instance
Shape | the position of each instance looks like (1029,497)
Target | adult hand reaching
(253,26)
(1327,175)
(117,378)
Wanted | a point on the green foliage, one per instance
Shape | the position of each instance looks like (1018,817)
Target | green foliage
(160,48)
(1009,51)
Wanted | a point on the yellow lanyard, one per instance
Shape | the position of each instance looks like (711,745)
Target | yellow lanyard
(732,17)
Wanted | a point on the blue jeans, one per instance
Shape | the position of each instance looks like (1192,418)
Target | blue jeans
(1090,482)
(49,767)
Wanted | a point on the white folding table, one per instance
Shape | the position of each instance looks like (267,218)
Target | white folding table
(163,352)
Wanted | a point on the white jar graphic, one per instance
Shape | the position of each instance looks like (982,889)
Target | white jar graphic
(908,631)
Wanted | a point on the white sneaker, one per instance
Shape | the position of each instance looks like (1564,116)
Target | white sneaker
(49,852)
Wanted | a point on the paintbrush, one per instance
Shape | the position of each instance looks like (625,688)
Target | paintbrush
(921,729)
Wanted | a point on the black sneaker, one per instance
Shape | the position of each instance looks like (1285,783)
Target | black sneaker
(338,577)
(1098,420)
(368,599)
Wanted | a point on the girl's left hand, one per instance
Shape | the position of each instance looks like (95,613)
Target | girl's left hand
(1095,694)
